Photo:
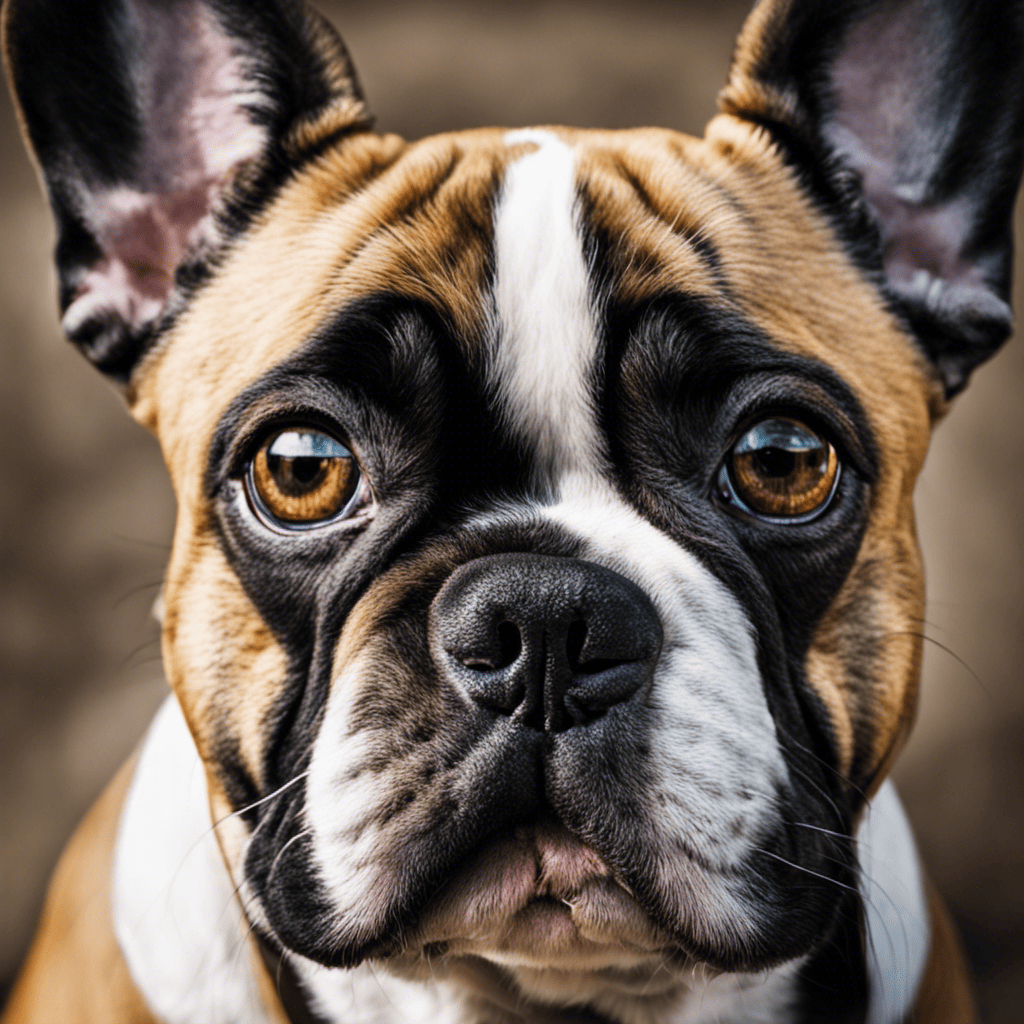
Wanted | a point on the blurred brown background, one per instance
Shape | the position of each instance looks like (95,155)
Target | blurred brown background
(86,514)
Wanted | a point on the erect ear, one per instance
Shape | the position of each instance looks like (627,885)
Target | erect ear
(144,115)
(906,117)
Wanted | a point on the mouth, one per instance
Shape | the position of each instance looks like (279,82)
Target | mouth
(539,898)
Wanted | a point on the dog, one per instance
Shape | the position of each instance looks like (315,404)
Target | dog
(541,616)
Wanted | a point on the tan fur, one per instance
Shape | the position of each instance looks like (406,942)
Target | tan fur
(946,995)
(827,311)
(840,319)
(269,987)
(224,665)
(213,638)
(75,973)
(746,90)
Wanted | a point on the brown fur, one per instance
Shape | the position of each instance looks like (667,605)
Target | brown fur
(946,995)
(75,973)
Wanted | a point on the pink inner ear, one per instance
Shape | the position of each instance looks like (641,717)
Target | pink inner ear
(889,128)
(191,96)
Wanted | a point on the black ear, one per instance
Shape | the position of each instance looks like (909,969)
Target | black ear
(144,115)
(906,117)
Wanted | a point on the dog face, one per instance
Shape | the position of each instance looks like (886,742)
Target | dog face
(545,587)
(505,455)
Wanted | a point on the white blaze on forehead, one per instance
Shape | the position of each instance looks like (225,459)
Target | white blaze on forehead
(545,329)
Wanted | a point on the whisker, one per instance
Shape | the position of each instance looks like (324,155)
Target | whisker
(383,991)
(282,851)
(830,768)
(821,791)
(262,800)
(800,867)
(818,828)
(942,647)
(131,655)
(160,545)
(128,595)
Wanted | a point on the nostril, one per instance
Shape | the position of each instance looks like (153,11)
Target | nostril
(575,638)
(508,649)
(510,643)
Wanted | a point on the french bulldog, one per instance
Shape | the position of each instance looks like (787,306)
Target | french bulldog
(542,613)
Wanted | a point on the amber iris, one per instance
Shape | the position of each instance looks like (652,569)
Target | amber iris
(781,469)
(303,476)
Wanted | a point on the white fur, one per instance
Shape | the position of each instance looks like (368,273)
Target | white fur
(182,931)
(544,326)
(899,930)
(345,846)
(180,925)
(370,995)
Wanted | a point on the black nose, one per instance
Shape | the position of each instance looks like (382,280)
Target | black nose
(552,642)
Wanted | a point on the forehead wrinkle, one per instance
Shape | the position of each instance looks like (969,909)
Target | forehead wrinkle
(423,228)
(440,255)
(544,343)
(659,212)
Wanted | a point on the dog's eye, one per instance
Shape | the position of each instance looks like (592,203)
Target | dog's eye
(779,470)
(303,477)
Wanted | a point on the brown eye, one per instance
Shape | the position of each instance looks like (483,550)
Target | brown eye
(780,469)
(303,477)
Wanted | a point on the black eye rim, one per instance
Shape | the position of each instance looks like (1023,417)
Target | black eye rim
(724,492)
(362,495)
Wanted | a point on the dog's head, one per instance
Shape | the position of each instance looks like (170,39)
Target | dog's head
(545,587)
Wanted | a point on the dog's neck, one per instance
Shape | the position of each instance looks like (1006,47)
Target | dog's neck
(182,927)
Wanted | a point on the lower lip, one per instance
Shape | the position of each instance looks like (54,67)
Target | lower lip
(543,935)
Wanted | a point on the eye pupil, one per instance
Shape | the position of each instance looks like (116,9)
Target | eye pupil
(307,470)
(295,475)
(775,462)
